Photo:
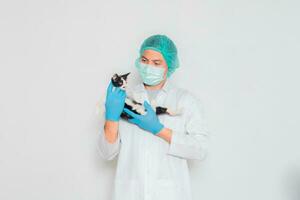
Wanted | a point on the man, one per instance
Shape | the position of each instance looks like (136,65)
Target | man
(153,149)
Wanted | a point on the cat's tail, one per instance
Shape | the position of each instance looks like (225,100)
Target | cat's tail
(167,110)
(174,112)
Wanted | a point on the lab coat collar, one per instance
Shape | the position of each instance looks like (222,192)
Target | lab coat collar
(165,88)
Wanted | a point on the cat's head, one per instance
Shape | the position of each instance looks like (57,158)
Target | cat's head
(120,80)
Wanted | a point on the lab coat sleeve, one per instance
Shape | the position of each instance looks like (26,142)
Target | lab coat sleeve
(193,142)
(107,150)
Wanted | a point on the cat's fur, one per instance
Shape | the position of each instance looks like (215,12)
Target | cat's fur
(137,107)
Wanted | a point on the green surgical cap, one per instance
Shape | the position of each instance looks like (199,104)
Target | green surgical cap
(166,47)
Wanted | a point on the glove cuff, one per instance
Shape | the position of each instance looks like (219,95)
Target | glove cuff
(111,118)
(158,129)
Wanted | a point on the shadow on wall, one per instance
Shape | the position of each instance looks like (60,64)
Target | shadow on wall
(292,184)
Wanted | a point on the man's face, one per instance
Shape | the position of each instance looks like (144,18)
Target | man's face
(154,58)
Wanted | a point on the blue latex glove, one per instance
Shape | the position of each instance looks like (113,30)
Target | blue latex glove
(114,104)
(148,122)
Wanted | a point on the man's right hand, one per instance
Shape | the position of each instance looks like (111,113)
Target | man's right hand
(114,104)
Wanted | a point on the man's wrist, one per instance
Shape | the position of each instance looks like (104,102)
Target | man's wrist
(111,130)
(166,134)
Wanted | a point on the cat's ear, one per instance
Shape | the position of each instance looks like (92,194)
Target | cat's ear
(115,76)
(125,76)
(114,80)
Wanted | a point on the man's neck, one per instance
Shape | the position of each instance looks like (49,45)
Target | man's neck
(155,87)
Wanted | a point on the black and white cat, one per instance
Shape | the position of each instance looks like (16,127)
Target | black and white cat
(137,107)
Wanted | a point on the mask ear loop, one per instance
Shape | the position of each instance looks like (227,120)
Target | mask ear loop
(137,62)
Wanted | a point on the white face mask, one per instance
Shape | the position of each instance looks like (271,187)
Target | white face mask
(151,75)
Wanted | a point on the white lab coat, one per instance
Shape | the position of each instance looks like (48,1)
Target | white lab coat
(149,168)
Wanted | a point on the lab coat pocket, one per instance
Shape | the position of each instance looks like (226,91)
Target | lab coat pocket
(166,189)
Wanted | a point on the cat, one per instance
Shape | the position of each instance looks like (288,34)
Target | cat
(137,107)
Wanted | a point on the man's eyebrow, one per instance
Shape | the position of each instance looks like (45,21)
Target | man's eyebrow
(152,60)
(144,57)
(157,60)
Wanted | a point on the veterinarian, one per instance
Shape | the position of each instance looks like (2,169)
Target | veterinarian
(153,150)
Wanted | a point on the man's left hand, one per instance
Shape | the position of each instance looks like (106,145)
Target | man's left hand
(148,122)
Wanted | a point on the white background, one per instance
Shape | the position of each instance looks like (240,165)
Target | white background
(241,58)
